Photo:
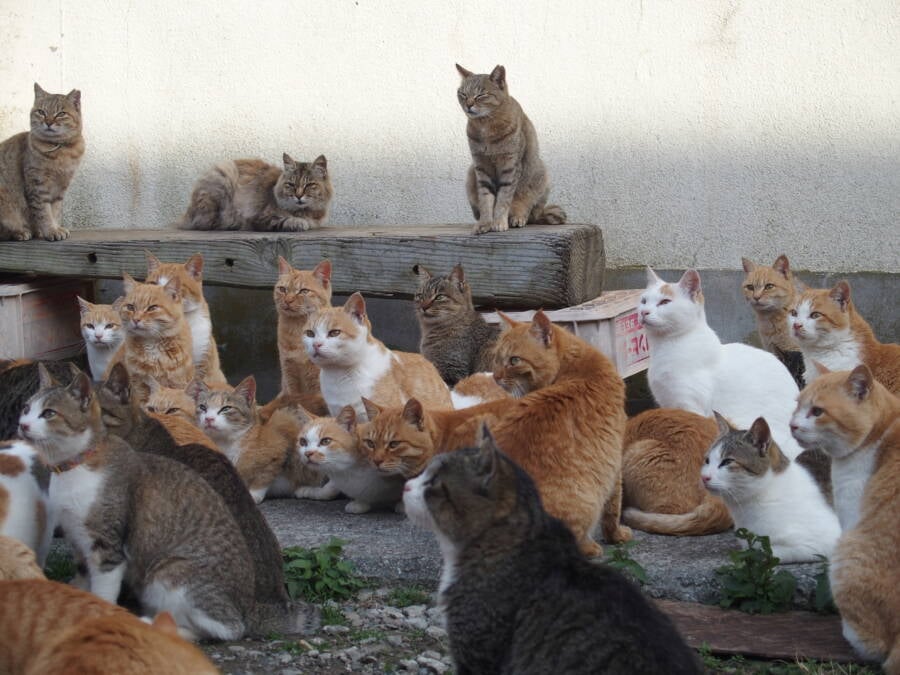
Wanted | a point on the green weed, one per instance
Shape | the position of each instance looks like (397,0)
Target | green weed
(750,582)
(318,574)
(620,559)
(406,596)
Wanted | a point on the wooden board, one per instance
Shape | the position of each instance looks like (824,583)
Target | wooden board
(537,266)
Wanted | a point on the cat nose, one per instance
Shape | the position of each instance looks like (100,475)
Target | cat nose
(705,479)
(24,426)
(407,487)
(797,326)
(793,427)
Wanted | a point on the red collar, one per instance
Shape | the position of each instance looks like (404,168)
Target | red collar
(70,464)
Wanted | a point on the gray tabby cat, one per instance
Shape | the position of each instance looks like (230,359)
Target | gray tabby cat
(144,520)
(454,337)
(36,168)
(249,194)
(520,597)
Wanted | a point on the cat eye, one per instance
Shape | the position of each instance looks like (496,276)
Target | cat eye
(440,296)
(289,186)
(748,287)
(41,112)
(152,308)
(282,289)
(48,414)
(303,442)
(90,325)
(334,332)
(815,411)
(60,115)
(815,315)
(370,443)
(514,360)
(325,441)
(110,326)
(460,94)
(769,287)
(172,411)
(201,408)
(393,444)
(793,312)
(663,302)
(726,462)
(26,410)
(129,307)
(304,291)
(310,334)
(226,408)
(151,409)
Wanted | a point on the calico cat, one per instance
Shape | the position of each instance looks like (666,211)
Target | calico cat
(196,312)
(507,183)
(771,292)
(454,337)
(331,446)
(25,511)
(262,452)
(37,166)
(48,628)
(101,328)
(692,370)
(856,420)
(354,364)
(518,594)
(664,449)
(769,494)
(249,194)
(830,331)
(17,561)
(157,338)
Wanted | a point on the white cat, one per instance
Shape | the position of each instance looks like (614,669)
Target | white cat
(101,328)
(692,370)
(23,491)
(768,494)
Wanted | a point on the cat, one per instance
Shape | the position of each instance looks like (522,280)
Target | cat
(518,594)
(157,338)
(249,194)
(331,446)
(17,561)
(507,184)
(769,494)
(177,411)
(262,452)
(771,292)
(48,628)
(664,449)
(856,420)
(830,331)
(354,364)
(101,328)
(25,510)
(476,389)
(692,370)
(397,444)
(454,337)
(18,382)
(37,166)
(111,499)
(196,312)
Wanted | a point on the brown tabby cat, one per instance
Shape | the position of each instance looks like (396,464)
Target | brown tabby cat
(17,561)
(830,331)
(663,452)
(48,628)
(249,194)
(36,168)
(507,183)
(196,312)
(856,420)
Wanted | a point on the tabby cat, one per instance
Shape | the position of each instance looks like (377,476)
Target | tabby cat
(17,561)
(454,337)
(25,511)
(519,596)
(170,401)
(249,194)
(857,421)
(830,331)
(37,166)
(196,311)
(101,328)
(507,183)
(18,382)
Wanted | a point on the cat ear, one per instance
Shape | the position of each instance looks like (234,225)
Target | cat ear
(652,278)
(153,262)
(821,368)
(117,303)
(748,265)
(194,266)
(723,424)
(462,71)
(690,284)
(128,282)
(458,276)
(288,162)
(413,414)
(782,266)
(164,623)
(73,371)
(859,384)
(542,328)
(196,389)
(247,389)
(284,267)
(173,288)
(322,272)
(320,166)
(421,272)
(356,307)
(74,97)
(81,389)
(372,408)
(45,379)
(488,459)
(505,322)
(498,76)
(83,305)
(760,435)
(841,294)
(347,418)
(118,383)
(38,90)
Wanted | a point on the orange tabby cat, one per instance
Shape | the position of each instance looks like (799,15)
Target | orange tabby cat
(354,364)
(771,292)
(48,628)
(663,451)
(829,330)
(856,420)
(17,561)
(177,412)
(196,311)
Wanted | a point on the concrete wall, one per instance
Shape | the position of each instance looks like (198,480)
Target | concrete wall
(694,132)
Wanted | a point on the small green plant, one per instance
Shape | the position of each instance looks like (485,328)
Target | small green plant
(407,595)
(750,582)
(59,566)
(332,616)
(318,574)
(620,559)
(823,601)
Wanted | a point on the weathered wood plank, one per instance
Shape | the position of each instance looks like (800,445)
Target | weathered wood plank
(537,266)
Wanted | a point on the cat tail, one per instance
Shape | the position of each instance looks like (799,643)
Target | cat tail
(290,618)
(549,214)
(709,517)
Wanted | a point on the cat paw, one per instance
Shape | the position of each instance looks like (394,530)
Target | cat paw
(20,236)
(295,225)
(305,493)
(621,534)
(357,507)
(591,548)
(481,227)
(518,221)
(500,225)
(57,234)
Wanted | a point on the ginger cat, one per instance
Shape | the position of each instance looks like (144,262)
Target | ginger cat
(176,410)
(262,452)
(48,628)
(157,338)
(17,561)
(830,331)
(856,420)
(354,364)
(196,312)
(663,452)
(101,328)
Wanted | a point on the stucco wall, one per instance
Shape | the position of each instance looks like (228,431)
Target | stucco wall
(694,132)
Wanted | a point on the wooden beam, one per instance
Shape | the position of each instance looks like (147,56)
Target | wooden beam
(537,266)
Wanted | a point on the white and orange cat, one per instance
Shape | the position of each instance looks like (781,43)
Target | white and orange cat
(25,511)
(354,364)
(101,328)
(331,446)
(196,311)
(17,561)
(830,331)
(262,452)
(856,420)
